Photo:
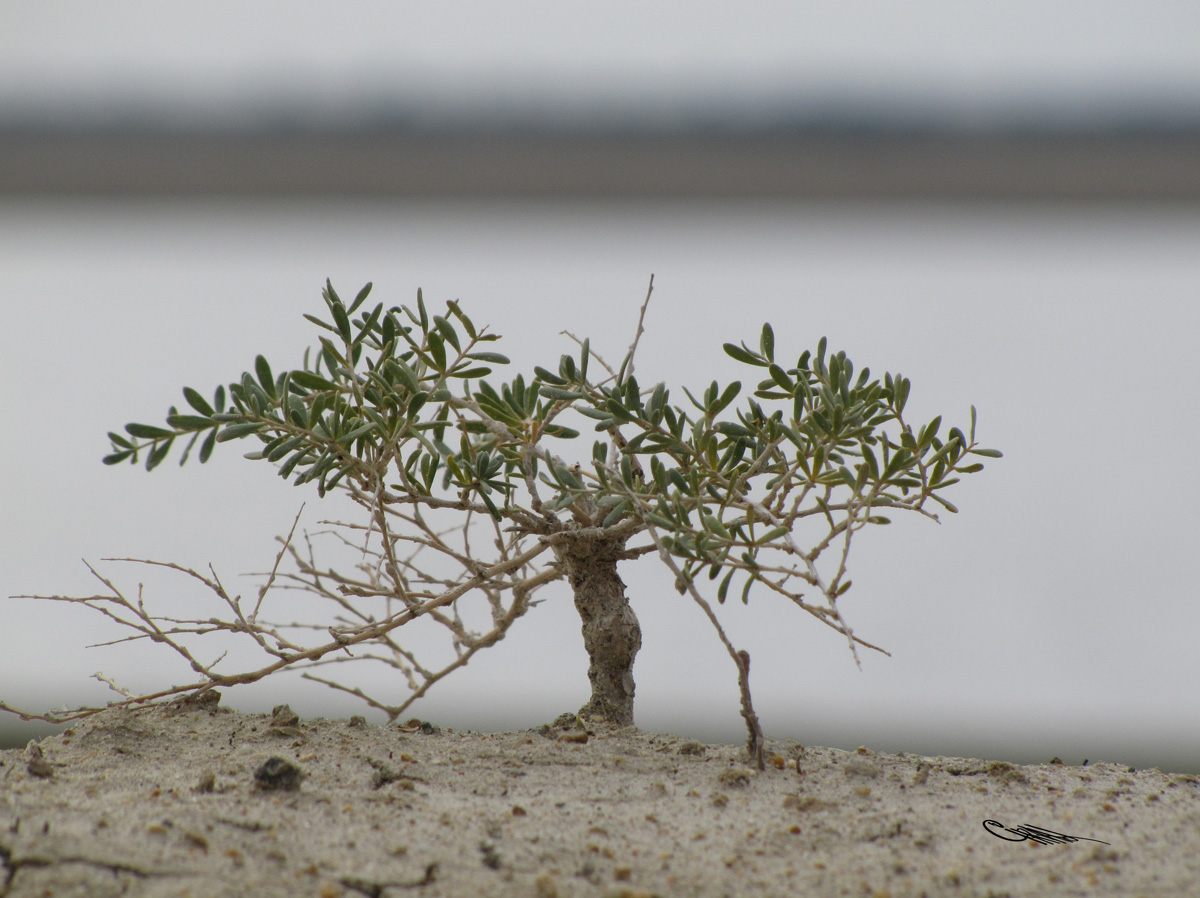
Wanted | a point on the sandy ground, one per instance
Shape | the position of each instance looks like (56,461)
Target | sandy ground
(200,801)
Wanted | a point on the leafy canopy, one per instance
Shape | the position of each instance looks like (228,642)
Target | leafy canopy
(402,408)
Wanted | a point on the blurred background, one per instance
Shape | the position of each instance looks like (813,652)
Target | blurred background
(1001,201)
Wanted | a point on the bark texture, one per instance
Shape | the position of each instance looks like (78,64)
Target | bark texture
(611,633)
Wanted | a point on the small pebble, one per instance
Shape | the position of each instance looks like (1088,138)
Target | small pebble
(38,765)
(276,773)
(736,777)
(283,716)
(855,767)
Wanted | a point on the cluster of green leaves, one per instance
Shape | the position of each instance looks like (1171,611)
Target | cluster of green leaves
(361,396)
(812,441)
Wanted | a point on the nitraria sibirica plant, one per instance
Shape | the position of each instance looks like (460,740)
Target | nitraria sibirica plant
(476,490)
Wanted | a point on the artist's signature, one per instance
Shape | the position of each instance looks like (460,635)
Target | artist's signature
(1033,834)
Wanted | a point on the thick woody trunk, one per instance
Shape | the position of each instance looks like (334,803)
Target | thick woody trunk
(611,633)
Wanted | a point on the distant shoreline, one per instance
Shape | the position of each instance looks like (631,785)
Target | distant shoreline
(1124,167)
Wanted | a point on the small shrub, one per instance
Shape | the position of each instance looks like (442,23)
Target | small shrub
(472,486)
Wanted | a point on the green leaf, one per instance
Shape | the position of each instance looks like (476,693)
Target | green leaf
(118,440)
(369,323)
(235,431)
(742,355)
(723,589)
(566,477)
(188,449)
(470,373)
(986,453)
(562,395)
(657,400)
(415,405)
(146,432)
(712,524)
(437,349)
(361,298)
(729,429)
(421,310)
(342,320)
(312,381)
(780,377)
(189,422)
(590,412)
(680,482)
(929,432)
(288,466)
(263,370)
(616,514)
(284,448)
(549,378)
(566,367)
(329,293)
(903,385)
(361,430)
(627,470)
(938,457)
(771,535)
(494,358)
(317,321)
(872,464)
(254,395)
(117,457)
(158,454)
(446,329)
(329,352)
(766,343)
(491,506)
(900,462)
(206,447)
(405,373)
(860,481)
(466,322)
(198,402)
(943,502)
(729,394)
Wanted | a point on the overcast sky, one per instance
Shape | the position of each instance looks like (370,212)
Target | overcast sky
(194,63)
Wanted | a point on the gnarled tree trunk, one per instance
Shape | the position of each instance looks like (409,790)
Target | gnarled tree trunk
(611,633)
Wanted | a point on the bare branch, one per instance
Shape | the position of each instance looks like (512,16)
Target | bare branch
(266,587)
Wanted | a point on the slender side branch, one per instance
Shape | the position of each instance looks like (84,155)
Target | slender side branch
(754,741)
